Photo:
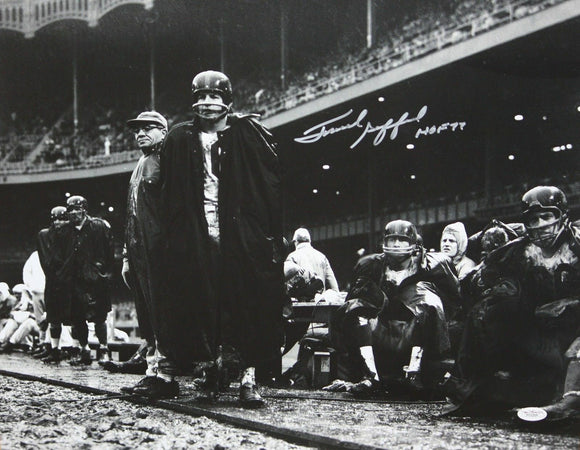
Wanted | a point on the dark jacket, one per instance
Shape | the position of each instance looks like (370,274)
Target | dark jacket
(526,315)
(56,295)
(84,262)
(400,316)
(232,294)
(143,239)
(436,272)
(508,272)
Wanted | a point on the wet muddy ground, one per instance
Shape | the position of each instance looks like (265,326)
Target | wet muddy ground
(35,415)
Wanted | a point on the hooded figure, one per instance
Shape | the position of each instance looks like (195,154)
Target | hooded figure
(454,245)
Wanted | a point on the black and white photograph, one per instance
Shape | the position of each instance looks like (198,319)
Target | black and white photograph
(287,224)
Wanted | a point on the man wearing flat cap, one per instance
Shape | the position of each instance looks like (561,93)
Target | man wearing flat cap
(142,234)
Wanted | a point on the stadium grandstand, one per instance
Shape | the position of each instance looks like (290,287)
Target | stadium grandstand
(494,86)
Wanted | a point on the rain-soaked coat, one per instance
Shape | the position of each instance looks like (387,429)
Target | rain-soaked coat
(232,294)
(56,295)
(84,263)
(515,340)
(143,241)
(399,317)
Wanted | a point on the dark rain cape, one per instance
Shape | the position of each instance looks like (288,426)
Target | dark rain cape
(84,263)
(56,295)
(400,317)
(234,294)
(515,340)
(143,241)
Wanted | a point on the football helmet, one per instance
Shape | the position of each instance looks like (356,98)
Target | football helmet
(76,202)
(76,207)
(544,199)
(405,231)
(212,82)
(58,214)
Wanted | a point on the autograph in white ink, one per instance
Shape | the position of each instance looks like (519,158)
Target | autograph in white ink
(322,130)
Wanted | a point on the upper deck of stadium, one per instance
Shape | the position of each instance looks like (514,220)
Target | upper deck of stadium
(481,63)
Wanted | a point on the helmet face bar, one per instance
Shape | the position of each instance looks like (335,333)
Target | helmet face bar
(545,211)
(215,84)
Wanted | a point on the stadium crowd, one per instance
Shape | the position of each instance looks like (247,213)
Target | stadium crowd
(421,30)
(403,37)
(491,322)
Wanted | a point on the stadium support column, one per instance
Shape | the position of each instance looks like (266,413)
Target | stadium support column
(370,34)
(152,67)
(222,44)
(371,198)
(283,43)
(75,82)
(150,27)
(488,171)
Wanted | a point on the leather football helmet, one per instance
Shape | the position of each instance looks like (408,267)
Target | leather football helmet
(404,230)
(58,214)
(214,82)
(544,199)
(76,202)
(76,207)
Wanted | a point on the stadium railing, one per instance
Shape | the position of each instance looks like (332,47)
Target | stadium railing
(93,161)
(426,42)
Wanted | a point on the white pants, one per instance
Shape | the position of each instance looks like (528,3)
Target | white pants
(18,333)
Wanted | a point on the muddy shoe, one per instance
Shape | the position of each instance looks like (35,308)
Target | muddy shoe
(54,357)
(366,389)
(43,352)
(136,365)
(6,347)
(157,388)
(250,397)
(82,359)
(103,355)
(338,386)
(142,383)
(69,353)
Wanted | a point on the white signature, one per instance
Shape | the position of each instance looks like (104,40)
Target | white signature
(322,130)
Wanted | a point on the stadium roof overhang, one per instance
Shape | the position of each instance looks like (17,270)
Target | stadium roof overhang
(29,16)
(504,34)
